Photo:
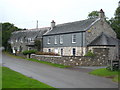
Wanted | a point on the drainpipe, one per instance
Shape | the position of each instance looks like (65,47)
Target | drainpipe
(82,43)
(41,42)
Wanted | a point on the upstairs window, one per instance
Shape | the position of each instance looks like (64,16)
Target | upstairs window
(61,39)
(48,41)
(73,38)
(55,39)
(21,41)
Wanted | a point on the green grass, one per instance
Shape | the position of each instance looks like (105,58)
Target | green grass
(0,77)
(11,55)
(12,79)
(107,73)
(35,60)
(48,63)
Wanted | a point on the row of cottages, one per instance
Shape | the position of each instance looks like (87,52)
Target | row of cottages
(76,38)
(70,39)
(25,39)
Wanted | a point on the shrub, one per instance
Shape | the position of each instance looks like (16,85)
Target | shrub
(47,53)
(29,52)
(89,53)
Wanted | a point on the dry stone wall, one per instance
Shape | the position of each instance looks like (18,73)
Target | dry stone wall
(100,59)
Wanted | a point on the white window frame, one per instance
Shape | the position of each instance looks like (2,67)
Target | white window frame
(48,40)
(11,41)
(16,40)
(61,39)
(21,40)
(73,38)
(55,39)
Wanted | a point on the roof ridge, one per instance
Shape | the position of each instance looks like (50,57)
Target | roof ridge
(75,21)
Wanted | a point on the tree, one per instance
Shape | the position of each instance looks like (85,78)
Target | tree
(7,29)
(93,14)
(115,22)
(38,45)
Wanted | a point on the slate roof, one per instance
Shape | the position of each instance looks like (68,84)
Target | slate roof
(104,40)
(31,33)
(72,27)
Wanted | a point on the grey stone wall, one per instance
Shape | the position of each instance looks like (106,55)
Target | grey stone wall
(100,59)
(99,27)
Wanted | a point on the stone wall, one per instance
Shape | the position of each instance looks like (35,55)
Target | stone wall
(67,51)
(100,59)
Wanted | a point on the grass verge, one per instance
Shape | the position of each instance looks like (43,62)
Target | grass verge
(35,60)
(9,54)
(107,73)
(48,63)
(0,77)
(12,79)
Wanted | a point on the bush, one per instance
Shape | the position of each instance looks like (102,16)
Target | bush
(47,53)
(89,53)
(29,52)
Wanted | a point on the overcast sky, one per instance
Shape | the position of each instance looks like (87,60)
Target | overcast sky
(25,13)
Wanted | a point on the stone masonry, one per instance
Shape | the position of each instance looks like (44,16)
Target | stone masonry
(100,59)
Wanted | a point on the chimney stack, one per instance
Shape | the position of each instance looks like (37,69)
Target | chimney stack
(52,24)
(101,14)
(37,25)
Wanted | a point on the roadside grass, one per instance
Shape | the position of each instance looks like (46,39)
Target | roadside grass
(12,79)
(48,63)
(0,77)
(9,54)
(107,73)
(35,60)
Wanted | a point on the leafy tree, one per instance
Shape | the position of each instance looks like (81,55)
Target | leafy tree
(115,22)
(7,29)
(38,45)
(93,14)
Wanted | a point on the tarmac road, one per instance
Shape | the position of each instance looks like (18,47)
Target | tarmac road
(57,77)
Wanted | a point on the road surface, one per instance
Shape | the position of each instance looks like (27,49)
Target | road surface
(57,77)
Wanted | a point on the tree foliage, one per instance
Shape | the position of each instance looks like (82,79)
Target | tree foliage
(93,14)
(38,45)
(7,29)
(115,22)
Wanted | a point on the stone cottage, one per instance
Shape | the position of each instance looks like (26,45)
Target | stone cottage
(76,38)
(24,39)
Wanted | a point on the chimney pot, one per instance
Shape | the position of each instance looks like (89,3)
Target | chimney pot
(101,14)
(52,24)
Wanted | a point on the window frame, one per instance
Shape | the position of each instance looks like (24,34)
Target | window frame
(73,38)
(61,39)
(55,38)
(48,40)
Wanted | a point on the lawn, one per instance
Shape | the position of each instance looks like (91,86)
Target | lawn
(35,60)
(0,77)
(107,73)
(12,79)
(48,63)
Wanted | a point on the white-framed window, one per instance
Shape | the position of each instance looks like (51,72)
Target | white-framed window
(32,40)
(11,42)
(16,40)
(21,40)
(48,40)
(61,39)
(55,39)
(73,38)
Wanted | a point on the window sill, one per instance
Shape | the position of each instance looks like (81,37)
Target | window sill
(73,42)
